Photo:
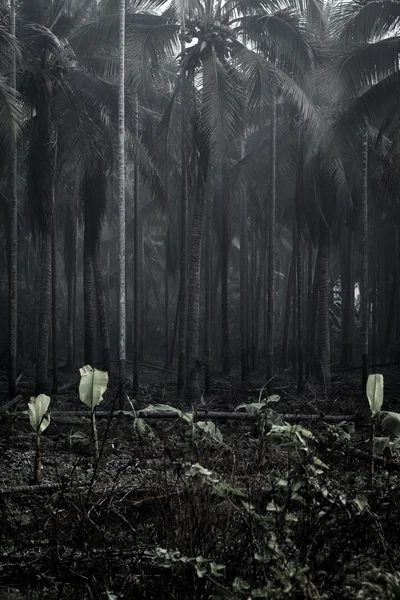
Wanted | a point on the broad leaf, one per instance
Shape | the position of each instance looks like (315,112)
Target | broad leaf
(375,393)
(391,422)
(92,386)
(141,428)
(380,443)
(39,416)
(209,428)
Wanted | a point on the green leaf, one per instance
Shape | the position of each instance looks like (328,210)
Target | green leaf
(375,393)
(216,569)
(273,398)
(361,503)
(141,428)
(210,429)
(391,422)
(39,416)
(240,585)
(319,463)
(92,386)
(380,443)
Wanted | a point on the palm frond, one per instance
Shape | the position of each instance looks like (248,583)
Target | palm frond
(364,20)
(264,81)
(285,35)
(222,103)
(38,39)
(11,115)
(357,68)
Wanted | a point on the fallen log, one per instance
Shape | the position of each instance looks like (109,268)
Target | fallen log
(202,415)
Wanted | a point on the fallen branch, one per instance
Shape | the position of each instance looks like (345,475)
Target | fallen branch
(365,456)
(11,403)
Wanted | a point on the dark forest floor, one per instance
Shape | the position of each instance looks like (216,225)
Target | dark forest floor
(282,525)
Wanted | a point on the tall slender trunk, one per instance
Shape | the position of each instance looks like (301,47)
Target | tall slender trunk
(225,243)
(175,330)
(286,316)
(347,301)
(271,256)
(143,296)
(324,348)
(261,275)
(309,307)
(183,289)
(252,291)
(243,281)
(88,301)
(121,210)
(48,147)
(54,300)
(364,278)
(299,266)
(193,381)
(299,310)
(102,309)
(137,269)
(208,295)
(167,314)
(42,384)
(71,301)
(13,242)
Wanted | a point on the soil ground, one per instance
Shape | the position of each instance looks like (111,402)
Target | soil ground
(92,532)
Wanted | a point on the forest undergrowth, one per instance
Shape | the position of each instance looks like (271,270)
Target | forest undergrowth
(171,510)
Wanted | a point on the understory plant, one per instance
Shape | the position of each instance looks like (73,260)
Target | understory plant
(388,421)
(39,418)
(92,386)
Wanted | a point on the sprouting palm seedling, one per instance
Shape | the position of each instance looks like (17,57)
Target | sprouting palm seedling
(39,417)
(92,386)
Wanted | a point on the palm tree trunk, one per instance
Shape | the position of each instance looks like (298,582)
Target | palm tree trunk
(13,243)
(102,310)
(364,278)
(121,211)
(271,256)
(54,302)
(299,310)
(193,381)
(286,317)
(208,295)
(324,358)
(243,283)
(88,302)
(167,314)
(42,384)
(259,290)
(225,243)
(137,269)
(347,301)
(252,292)
(183,289)
(71,301)
(309,307)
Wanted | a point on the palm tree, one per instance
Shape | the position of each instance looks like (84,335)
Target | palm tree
(13,234)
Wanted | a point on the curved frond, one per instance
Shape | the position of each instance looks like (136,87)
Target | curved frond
(364,20)
(222,102)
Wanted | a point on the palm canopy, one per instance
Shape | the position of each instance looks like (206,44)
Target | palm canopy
(365,71)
